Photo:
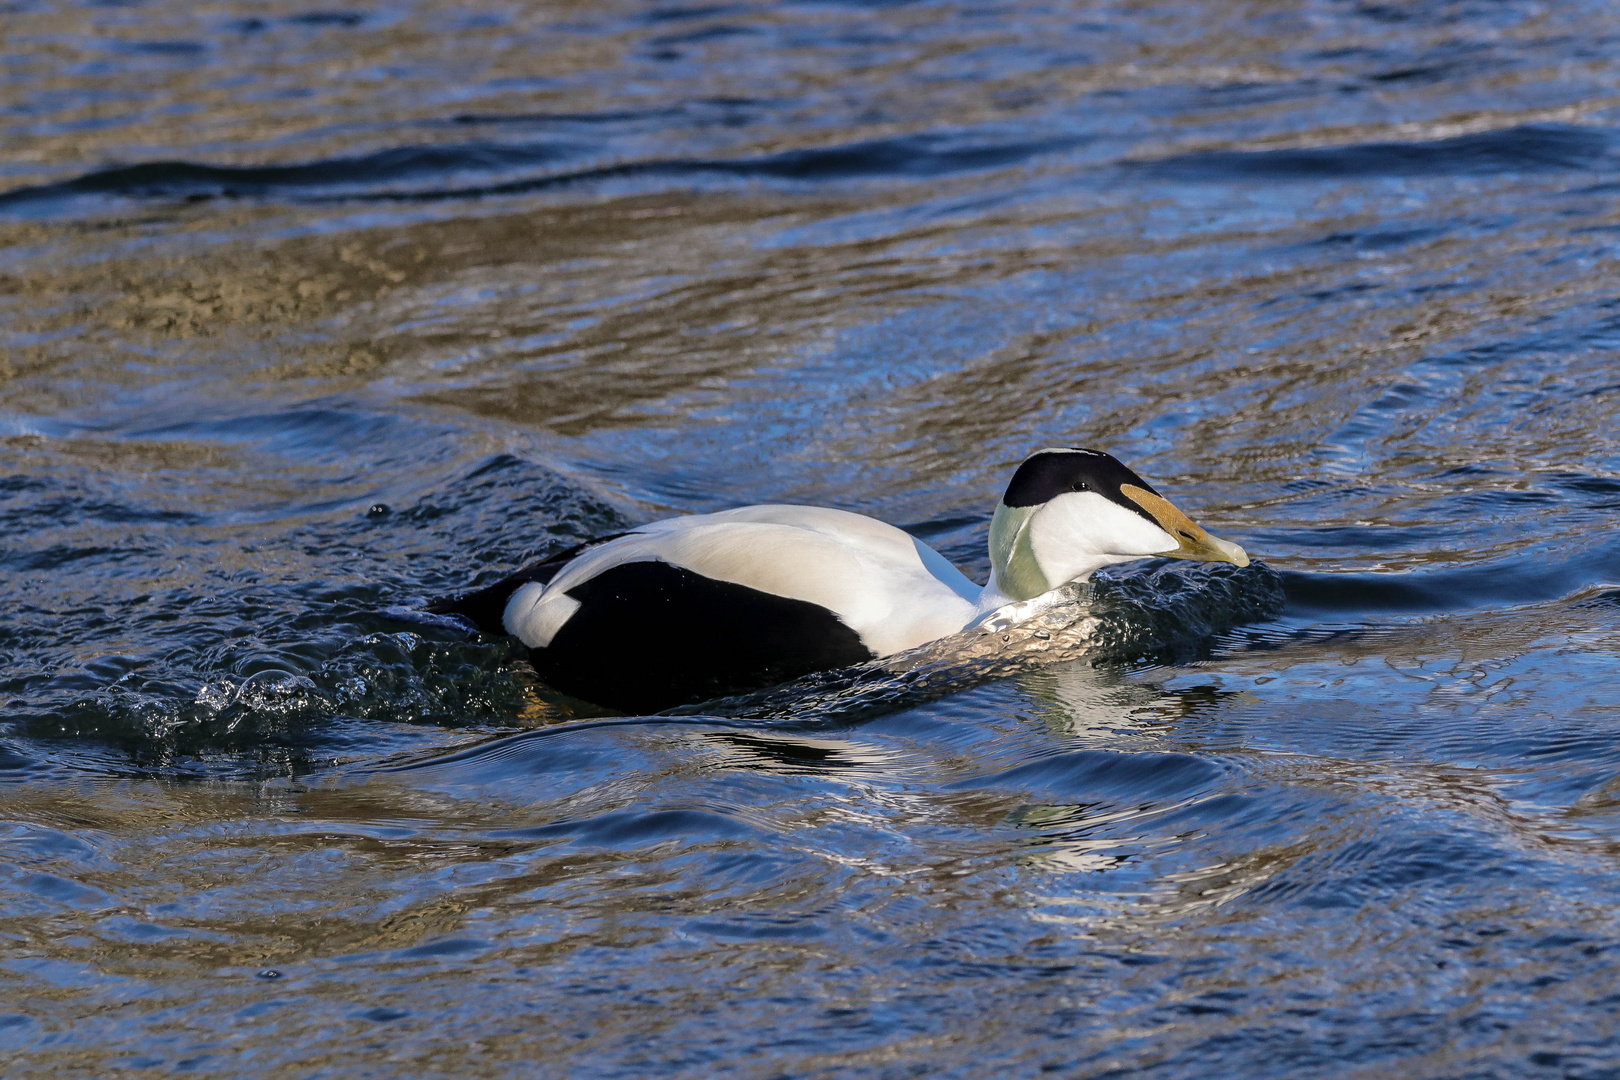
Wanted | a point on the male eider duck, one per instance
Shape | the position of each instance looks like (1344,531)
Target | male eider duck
(699,607)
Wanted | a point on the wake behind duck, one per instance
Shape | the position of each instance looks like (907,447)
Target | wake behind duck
(714,605)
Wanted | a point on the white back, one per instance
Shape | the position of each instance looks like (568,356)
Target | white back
(891,589)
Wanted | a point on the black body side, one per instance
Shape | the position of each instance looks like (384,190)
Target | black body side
(485,607)
(650,636)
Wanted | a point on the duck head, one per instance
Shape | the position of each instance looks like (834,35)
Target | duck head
(1069,512)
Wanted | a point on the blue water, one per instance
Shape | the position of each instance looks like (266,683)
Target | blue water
(310,315)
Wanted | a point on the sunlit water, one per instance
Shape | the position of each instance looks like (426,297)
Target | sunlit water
(311,314)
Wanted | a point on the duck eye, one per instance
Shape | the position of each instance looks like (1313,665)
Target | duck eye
(1081,485)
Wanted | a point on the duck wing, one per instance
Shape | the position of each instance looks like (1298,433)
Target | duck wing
(894,591)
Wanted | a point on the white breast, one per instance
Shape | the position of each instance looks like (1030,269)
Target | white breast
(893,590)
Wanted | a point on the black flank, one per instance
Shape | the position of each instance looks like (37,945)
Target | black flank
(651,636)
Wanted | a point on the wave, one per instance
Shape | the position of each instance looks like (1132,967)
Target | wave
(419,173)
(1527,148)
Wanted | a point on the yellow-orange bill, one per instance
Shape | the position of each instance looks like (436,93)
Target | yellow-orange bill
(1196,543)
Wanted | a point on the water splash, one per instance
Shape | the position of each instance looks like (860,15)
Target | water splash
(1167,612)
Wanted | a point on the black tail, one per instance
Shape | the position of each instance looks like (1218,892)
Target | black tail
(485,607)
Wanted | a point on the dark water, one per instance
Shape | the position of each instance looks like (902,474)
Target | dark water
(310,313)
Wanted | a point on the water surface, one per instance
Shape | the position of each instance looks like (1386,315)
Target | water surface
(310,314)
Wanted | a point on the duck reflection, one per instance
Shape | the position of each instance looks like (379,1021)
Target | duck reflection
(1102,708)
(1107,703)
(1082,701)
(793,755)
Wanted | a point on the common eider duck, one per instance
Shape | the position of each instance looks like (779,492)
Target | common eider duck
(698,607)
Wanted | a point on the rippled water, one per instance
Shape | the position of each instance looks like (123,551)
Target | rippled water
(311,314)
